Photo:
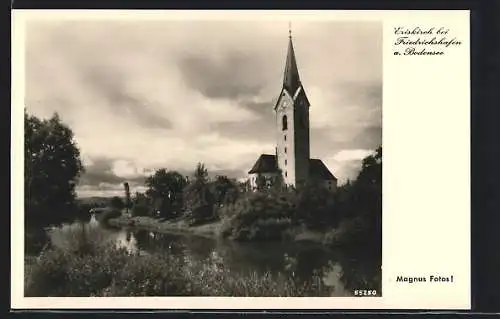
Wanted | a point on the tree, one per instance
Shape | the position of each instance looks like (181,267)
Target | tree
(166,187)
(52,168)
(315,206)
(199,200)
(265,183)
(365,201)
(127,196)
(201,174)
(224,190)
(244,186)
(261,182)
(276,182)
(368,185)
(140,205)
(117,203)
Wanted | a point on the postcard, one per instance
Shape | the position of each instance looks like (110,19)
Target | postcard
(240,159)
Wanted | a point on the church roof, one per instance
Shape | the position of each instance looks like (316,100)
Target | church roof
(291,80)
(318,170)
(267,164)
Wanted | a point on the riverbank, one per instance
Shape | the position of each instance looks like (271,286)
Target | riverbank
(89,266)
(209,230)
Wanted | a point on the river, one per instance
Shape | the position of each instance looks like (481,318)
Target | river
(343,271)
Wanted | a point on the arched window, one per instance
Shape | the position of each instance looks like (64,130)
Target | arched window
(285,123)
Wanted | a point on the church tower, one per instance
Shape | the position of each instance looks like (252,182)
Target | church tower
(292,125)
(291,160)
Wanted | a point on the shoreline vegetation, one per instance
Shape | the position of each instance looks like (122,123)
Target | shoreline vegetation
(80,262)
(83,260)
(181,227)
(200,204)
(210,230)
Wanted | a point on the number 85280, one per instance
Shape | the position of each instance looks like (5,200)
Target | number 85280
(365,293)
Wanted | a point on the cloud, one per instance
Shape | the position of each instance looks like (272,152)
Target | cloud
(347,163)
(103,170)
(230,75)
(355,104)
(352,155)
(126,169)
(169,94)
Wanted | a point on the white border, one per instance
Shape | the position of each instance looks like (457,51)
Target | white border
(426,199)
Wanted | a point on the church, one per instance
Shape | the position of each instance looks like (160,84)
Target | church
(291,164)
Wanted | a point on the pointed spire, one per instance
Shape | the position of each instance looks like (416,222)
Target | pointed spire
(291,80)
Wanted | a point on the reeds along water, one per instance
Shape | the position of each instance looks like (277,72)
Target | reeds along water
(70,236)
(109,265)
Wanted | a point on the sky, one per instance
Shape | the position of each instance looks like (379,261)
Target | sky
(144,95)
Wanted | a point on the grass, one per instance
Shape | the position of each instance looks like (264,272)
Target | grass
(72,236)
(215,229)
(81,264)
(209,230)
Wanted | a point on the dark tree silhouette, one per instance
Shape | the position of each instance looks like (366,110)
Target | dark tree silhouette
(52,168)
(316,206)
(127,196)
(363,200)
(261,182)
(117,203)
(244,186)
(141,205)
(369,188)
(225,190)
(199,200)
(165,188)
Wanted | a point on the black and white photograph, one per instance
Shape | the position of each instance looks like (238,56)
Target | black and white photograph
(202,157)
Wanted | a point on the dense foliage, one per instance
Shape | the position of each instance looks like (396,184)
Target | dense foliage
(351,216)
(84,264)
(117,203)
(360,207)
(259,216)
(52,168)
(140,205)
(165,191)
(199,201)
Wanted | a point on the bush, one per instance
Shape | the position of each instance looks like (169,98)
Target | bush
(105,270)
(149,275)
(141,210)
(212,278)
(349,232)
(201,214)
(259,216)
(316,207)
(71,273)
(269,229)
(141,205)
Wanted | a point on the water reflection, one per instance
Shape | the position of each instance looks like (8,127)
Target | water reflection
(341,272)
(338,271)
(126,240)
